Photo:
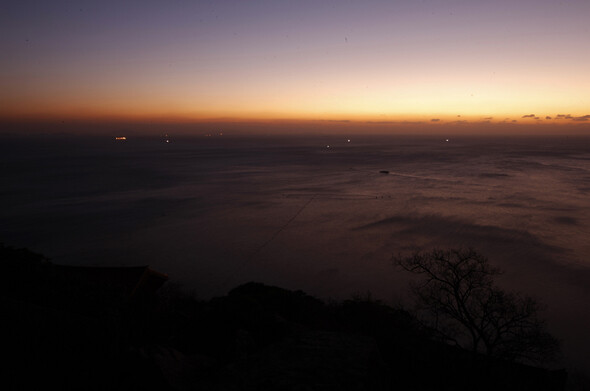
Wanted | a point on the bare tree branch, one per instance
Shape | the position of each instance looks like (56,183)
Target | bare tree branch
(457,289)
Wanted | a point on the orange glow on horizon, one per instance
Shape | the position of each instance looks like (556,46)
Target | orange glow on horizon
(388,63)
(81,115)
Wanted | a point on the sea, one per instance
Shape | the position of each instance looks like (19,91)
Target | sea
(325,214)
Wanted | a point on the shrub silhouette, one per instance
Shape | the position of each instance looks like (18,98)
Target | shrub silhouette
(465,307)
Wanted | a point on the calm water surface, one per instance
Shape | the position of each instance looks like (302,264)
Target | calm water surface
(216,212)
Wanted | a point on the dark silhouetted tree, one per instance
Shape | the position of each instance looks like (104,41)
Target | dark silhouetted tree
(465,307)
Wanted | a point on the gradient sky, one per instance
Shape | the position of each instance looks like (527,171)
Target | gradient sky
(313,60)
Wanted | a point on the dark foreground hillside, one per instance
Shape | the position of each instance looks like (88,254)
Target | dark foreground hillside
(120,329)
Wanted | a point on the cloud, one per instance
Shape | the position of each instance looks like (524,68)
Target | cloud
(492,175)
(570,117)
(506,247)
(411,122)
(435,120)
(394,122)
(547,117)
(528,116)
(456,231)
(488,118)
(567,220)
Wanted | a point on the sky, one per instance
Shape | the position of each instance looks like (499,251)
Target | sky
(434,62)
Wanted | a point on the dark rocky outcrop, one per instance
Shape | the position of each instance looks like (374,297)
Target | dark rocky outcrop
(75,329)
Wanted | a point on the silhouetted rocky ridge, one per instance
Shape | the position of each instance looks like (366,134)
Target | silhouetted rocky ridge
(114,328)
